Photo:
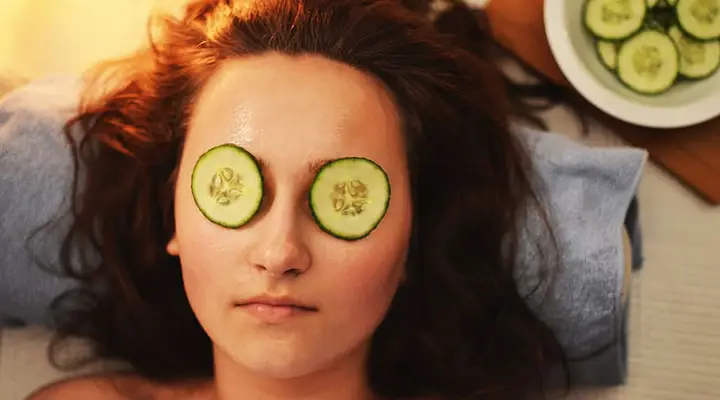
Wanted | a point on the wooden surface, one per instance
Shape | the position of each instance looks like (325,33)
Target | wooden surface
(691,154)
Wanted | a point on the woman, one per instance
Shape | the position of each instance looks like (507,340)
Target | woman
(422,306)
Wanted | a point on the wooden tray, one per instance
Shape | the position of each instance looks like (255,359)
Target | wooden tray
(691,154)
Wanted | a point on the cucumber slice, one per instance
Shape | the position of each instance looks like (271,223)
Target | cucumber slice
(699,18)
(653,3)
(349,197)
(648,63)
(607,51)
(227,185)
(698,59)
(614,19)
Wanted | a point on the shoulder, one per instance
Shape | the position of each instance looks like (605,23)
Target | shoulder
(83,388)
(106,387)
(122,387)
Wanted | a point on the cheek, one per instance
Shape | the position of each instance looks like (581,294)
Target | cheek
(202,275)
(205,253)
(366,275)
(361,289)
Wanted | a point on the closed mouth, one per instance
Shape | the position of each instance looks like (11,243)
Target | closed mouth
(277,301)
(275,312)
(296,306)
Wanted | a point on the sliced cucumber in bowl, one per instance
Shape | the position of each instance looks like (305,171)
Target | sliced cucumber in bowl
(607,52)
(698,59)
(614,19)
(700,19)
(648,63)
(651,45)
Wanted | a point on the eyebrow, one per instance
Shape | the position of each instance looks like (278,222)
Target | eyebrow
(313,166)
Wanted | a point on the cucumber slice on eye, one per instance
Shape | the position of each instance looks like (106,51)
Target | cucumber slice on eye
(349,197)
(699,18)
(614,19)
(227,185)
(648,63)
(698,59)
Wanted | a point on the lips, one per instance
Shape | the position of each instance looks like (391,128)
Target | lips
(275,310)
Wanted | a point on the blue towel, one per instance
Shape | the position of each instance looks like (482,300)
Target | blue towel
(35,182)
(588,192)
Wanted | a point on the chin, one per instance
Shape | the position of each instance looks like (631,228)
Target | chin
(284,361)
(277,368)
(282,370)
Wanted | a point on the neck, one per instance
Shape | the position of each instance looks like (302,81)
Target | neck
(343,380)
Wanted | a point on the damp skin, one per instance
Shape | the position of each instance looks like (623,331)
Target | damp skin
(241,121)
(293,113)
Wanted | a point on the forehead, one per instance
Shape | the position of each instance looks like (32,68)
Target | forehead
(287,110)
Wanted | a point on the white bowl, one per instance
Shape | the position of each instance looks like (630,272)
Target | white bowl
(687,103)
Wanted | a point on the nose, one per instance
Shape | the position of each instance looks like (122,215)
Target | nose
(279,249)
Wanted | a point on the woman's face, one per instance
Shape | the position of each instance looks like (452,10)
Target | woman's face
(293,114)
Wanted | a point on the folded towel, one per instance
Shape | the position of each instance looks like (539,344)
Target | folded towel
(35,181)
(588,193)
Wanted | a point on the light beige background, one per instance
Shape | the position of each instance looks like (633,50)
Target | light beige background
(675,328)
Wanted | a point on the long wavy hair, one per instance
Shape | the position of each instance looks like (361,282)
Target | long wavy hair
(458,327)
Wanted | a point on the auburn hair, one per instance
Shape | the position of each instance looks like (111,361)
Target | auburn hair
(457,329)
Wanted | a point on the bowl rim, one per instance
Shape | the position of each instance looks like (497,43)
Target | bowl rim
(605,99)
